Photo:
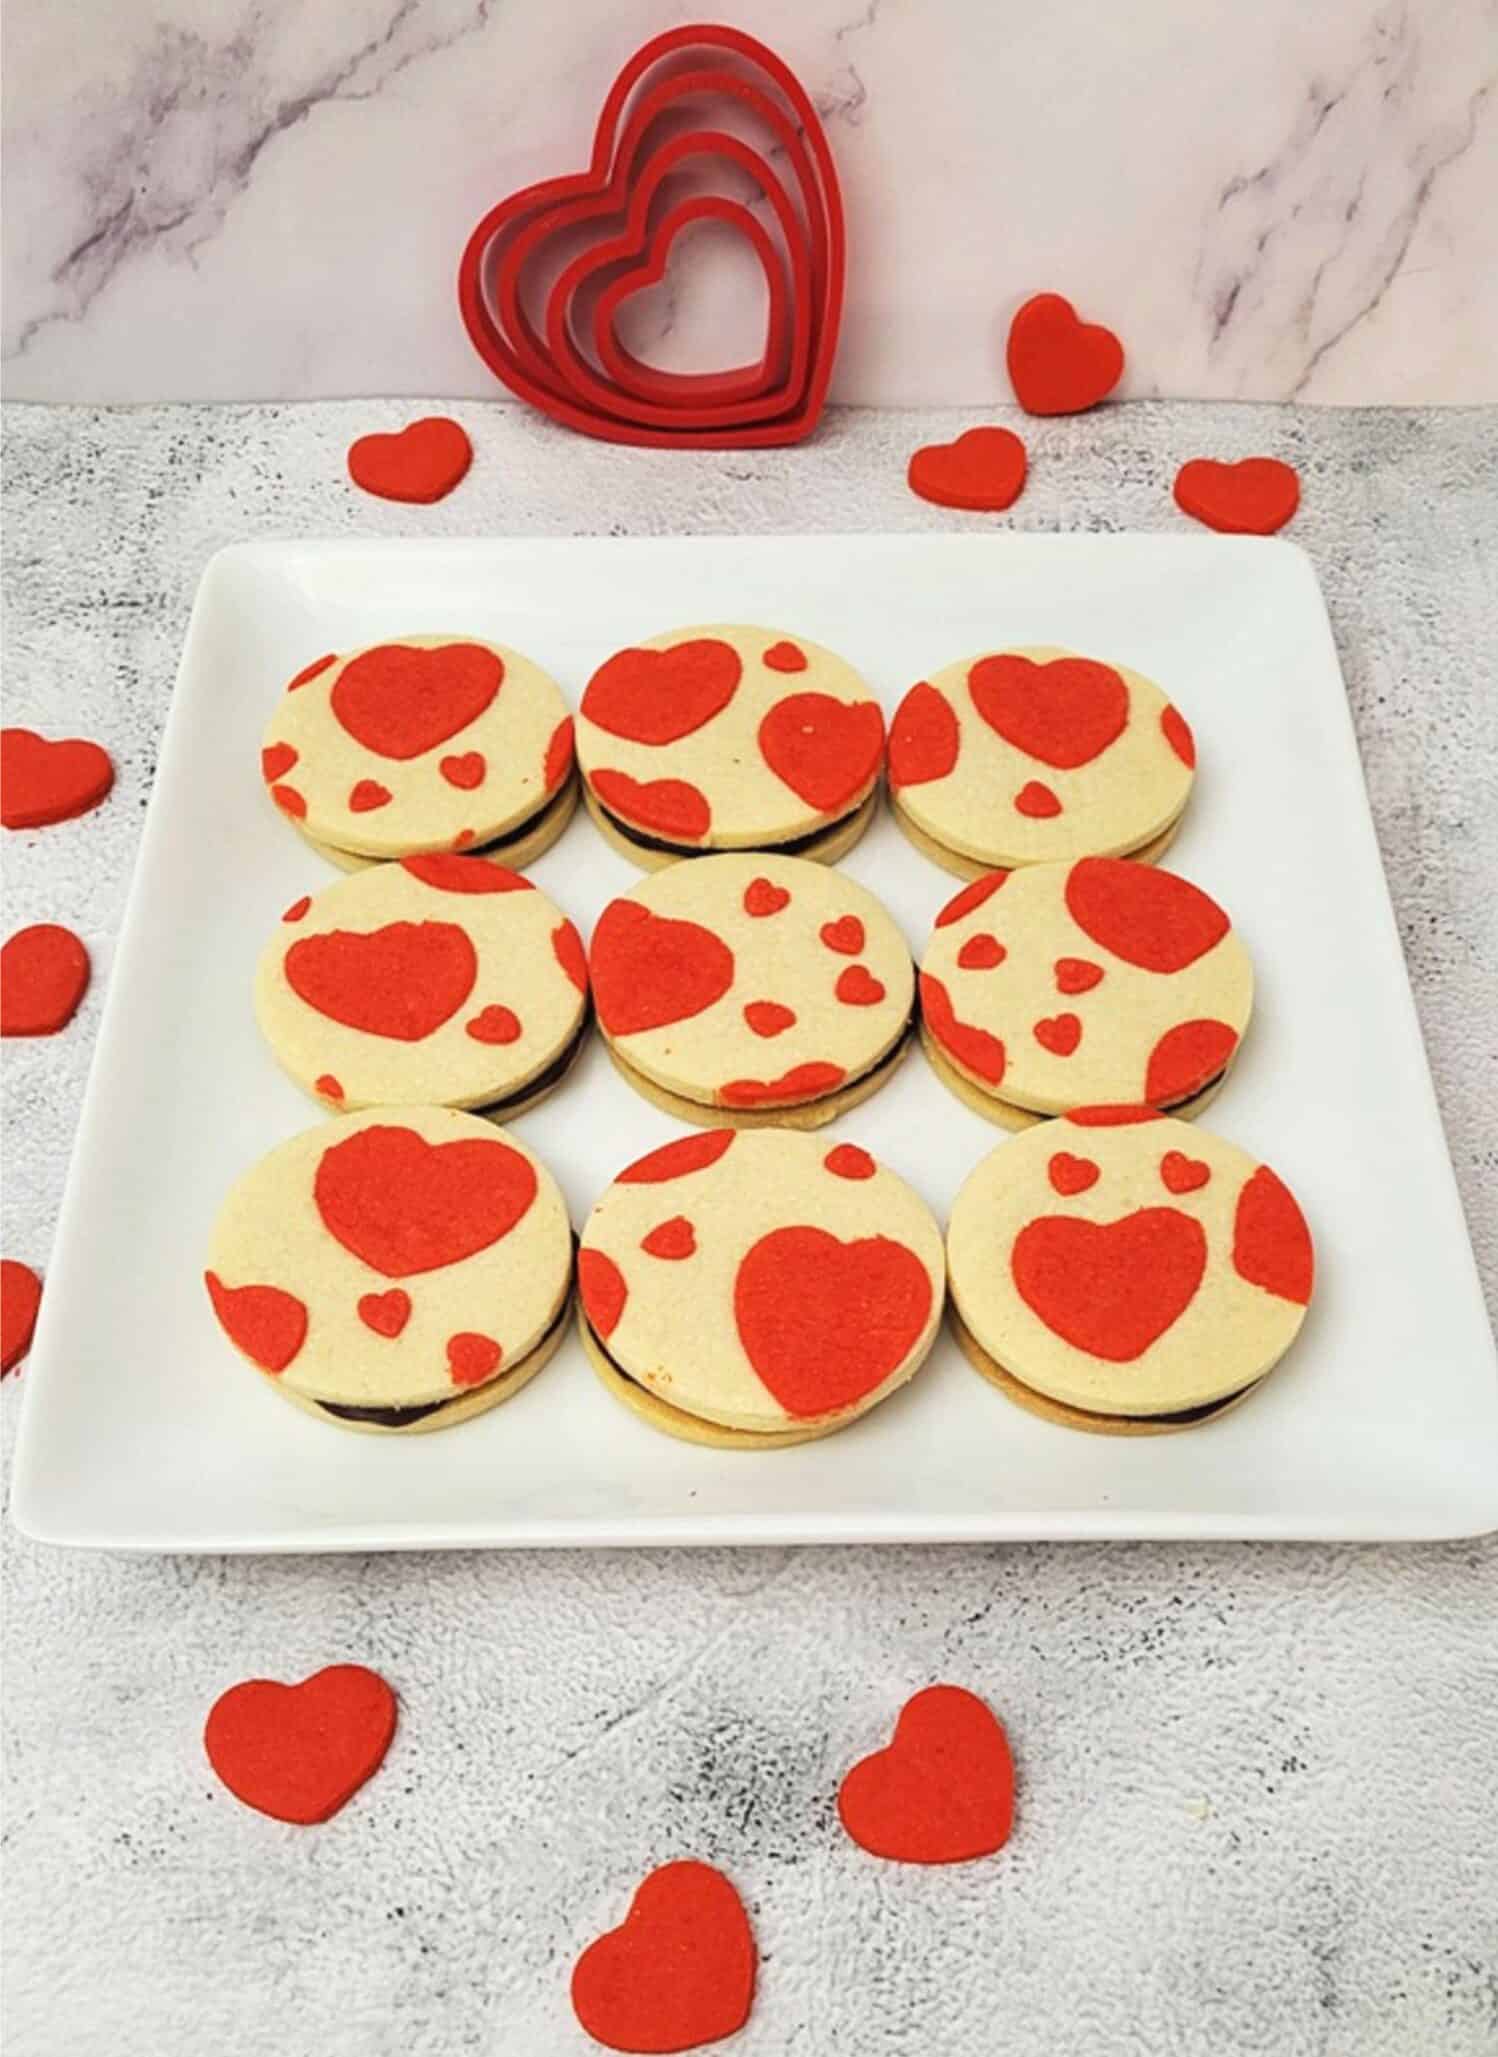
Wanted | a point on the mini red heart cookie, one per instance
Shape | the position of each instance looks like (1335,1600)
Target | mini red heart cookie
(44,973)
(42,781)
(299,1753)
(943,1790)
(420,464)
(983,471)
(20,1297)
(1254,497)
(679,1970)
(1059,364)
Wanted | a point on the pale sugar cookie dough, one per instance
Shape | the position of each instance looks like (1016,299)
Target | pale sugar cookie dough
(1037,754)
(1123,1272)
(417,744)
(402,1269)
(748,1291)
(441,979)
(729,738)
(750,989)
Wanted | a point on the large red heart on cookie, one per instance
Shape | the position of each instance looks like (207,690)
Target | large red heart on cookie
(659,696)
(1065,712)
(1110,1288)
(44,974)
(943,1791)
(678,1972)
(401,981)
(983,471)
(824,1322)
(647,972)
(43,781)
(1057,363)
(399,700)
(827,751)
(404,1205)
(300,1752)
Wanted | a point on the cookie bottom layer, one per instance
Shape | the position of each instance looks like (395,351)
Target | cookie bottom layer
(798,1114)
(965,867)
(517,848)
(1066,1416)
(1004,1114)
(652,853)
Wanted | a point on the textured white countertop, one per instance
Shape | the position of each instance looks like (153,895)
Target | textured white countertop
(1258,1809)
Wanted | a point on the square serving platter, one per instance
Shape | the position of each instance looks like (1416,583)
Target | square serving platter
(143,1430)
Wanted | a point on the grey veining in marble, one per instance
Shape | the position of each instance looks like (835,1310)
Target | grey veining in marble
(1258,1815)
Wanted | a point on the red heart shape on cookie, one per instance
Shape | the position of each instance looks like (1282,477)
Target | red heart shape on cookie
(400,701)
(20,1297)
(942,1792)
(677,1972)
(761,897)
(668,807)
(827,751)
(983,471)
(1110,1288)
(44,973)
(268,1324)
(1057,363)
(43,781)
(401,981)
(299,1753)
(385,1313)
(647,971)
(403,1205)
(1065,712)
(857,987)
(1182,1174)
(1069,1174)
(1059,1033)
(420,463)
(465,771)
(824,1322)
(659,696)
(1253,497)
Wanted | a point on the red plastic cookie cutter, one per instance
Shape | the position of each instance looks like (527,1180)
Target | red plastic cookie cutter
(555,345)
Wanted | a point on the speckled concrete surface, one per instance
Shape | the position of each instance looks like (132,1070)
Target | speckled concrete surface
(1258,1807)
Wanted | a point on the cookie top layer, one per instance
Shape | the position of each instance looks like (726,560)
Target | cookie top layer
(440,979)
(728,738)
(762,1279)
(395,1258)
(1129,1264)
(1024,755)
(426,743)
(750,981)
(1077,983)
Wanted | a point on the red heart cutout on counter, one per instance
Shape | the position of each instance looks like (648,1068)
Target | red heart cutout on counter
(1057,363)
(403,1205)
(1110,1288)
(827,751)
(42,781)
(677,1972)
(421,463)
(983,471)
(659,696)
(942,1792)
(647,971)
(299,1753)
(400,701)
(1065,712)
(401,981)
(44,973)
(20,1297)
(824,1322)
(1254,497)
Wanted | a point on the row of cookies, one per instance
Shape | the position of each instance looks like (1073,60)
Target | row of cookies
(724,738)
(405,1269)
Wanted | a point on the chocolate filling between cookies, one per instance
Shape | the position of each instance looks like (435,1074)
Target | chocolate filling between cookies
(795,847)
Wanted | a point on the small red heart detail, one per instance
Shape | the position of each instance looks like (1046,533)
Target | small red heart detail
(845,935)
(465,772)
(403,1205)
(43,781)
(1057,363)
(299,1753)
(269,1325)
(276,759)
(942,1792)
(673,1239)
(659,696)
(827,751)
(1110,1288)
(857,987)
(472,1359)
(421,463)
(401,981)
(1182,1174)
(20,1297)
(648,972)
(1065,711)
(44,972)
(768,1017)
(981,953)
(824,1322)
(761,897)
(667,807)
(400,701)
(1059,1033)
(494,1025)
(386,1313)
(1070,1174)
(846,1160)
(679,1970)
(1077,975)
(923,739)
(1037,801)
(785,656)
(1254,497)
(983,471)
(367,795)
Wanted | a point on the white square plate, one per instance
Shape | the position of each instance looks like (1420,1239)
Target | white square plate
(143,1430)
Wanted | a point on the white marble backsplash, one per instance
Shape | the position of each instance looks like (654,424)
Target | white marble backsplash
(267,198)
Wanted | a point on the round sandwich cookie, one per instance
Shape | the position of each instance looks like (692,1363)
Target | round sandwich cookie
(1024,756)
(1123,1272)
(421,744)
(745,991)
(401,1269)
(729,739)
(1066,985)
(749,1291)
(441,979)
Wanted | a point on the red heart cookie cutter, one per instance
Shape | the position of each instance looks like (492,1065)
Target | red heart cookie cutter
(548,331)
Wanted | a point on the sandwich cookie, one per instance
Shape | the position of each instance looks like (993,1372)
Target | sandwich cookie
(428,743)
(1122,1272)
(1066,985)
(1027,755)
(401,1269)
(729,739)
(441,979)
(749,1291)
(742,991)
